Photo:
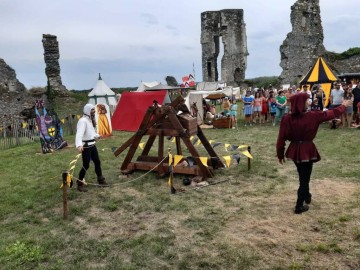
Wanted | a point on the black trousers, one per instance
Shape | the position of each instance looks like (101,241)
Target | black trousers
(304,170)
(90,153)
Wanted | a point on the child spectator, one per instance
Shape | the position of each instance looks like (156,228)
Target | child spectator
(257,107)
(273,106)
(248,103)
(233,109)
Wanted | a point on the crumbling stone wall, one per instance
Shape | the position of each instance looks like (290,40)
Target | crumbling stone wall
(13,95)
(228,24)
(52,70)
(8,80)
(304,43)
(339,66)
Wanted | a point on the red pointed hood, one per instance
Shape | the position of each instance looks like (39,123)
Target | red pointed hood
(298,103)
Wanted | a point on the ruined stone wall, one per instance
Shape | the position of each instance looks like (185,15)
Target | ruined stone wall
(13,95)
(51,57)
(304,43)
(349,65)
(8,80)
(228,24)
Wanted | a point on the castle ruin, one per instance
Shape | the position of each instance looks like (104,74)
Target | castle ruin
(304,43)
(51,57)
(230,26)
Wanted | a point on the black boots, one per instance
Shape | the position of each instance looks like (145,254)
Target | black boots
(100,179)
(102,182)
(308,199)
(301,209)
(81,186)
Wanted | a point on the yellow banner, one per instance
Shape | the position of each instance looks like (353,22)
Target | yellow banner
(78,116)
(173,140)
(177,159)
(204,160)
(72,167)
(141,145)
(226,146)
(227,160)
(24,125)
(198,142)
(62,121)
(242,146)
(246,153)
(68,180)
(72,162)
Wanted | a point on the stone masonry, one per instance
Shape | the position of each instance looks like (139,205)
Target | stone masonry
(304,43)
(14,97)
(51,57)
(228,24)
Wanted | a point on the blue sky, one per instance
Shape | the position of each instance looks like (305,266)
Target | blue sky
(129,41)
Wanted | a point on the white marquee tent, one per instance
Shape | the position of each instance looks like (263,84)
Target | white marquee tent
(102,94)
(156,86)
(197,97)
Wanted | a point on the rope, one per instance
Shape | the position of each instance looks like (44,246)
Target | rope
(132,180)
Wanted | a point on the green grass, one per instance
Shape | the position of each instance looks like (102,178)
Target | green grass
(245,222)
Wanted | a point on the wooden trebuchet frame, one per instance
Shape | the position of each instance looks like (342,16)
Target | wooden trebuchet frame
(173,120)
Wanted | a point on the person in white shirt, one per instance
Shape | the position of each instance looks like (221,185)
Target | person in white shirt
(85,141)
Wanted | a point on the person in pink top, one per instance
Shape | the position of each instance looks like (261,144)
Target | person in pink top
(257,107)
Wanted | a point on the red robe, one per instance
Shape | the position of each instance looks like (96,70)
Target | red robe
(301,130)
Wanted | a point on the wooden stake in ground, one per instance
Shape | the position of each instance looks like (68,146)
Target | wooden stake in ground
(249,160)
(65,186)
(171,176)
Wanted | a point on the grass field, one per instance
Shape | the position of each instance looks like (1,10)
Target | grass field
(246,222)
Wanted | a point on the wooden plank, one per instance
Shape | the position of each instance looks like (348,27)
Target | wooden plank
(205,172)
(161,154)
(124,146)
(178,146)
(165,132)
(147,166)
(140,131)
(209,148)
(132,151)
(148,145)
(148,159)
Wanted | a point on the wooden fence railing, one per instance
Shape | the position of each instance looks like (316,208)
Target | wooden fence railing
(16,131)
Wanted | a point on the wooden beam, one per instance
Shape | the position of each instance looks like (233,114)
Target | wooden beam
(148,145)
(147,166)
(209,148)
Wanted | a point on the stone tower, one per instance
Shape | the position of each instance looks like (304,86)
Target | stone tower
(228,24)
(304,43)
(51,57)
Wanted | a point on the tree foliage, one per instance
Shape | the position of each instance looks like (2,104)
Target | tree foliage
(171,81)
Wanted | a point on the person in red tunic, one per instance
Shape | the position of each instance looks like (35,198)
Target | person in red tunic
(300,128)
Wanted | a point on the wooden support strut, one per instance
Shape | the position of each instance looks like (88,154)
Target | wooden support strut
(163,121)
